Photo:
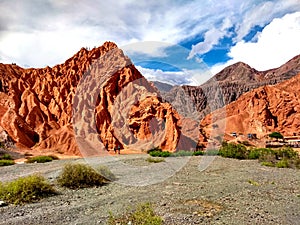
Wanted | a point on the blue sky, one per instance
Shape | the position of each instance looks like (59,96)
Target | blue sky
(210,34)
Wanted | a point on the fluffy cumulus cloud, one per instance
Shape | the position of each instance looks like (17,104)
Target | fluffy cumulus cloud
(211,38)
(39,33)
(273,46)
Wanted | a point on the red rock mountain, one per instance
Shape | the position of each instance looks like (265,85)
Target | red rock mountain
(40,108)
(260,111)
(229,84)
(225,87)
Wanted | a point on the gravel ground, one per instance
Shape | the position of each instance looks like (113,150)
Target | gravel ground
(229,191)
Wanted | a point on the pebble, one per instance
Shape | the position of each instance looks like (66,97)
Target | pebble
(241,203)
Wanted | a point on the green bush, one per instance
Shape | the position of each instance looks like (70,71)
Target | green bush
(6,162)
(143,214)
(197,153)
(276,135)
(155,153)
(155,160)
(282,164)
(39,159)
(26,189)
(159,153)
(54,157)
(252,182)
(282,158)
(6,156)
(296,163)
(286,153)
(80,176)
(211,152)
(2,145)
(182,153)
(257,153)
(155,149)
(267,164)
(231,150)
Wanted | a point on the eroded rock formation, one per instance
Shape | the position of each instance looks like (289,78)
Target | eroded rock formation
(37,105)
(260,111)
(229,84)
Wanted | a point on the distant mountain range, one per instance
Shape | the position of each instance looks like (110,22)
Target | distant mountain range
(229,84)
(40,109)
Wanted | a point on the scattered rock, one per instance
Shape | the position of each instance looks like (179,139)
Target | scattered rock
(3,203)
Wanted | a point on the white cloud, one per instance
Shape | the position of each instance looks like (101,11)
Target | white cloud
(211,38)
(45,48)
(243,15)
(263,13)
(149,48)
(41,27)
(276,44)
(185,77)
(47,32)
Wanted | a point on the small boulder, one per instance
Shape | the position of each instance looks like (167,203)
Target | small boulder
(3,203)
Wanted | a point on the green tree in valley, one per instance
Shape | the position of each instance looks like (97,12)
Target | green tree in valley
(276,135)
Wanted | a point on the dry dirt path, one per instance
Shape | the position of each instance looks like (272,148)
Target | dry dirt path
(229,191)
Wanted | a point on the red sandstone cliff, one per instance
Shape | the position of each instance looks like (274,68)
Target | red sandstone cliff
(40,108)
(260,111)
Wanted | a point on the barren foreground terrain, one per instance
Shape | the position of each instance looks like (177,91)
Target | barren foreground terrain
(229,191)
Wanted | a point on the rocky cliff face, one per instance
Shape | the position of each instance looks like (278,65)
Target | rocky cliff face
(40,107)
(260,111)
(229,84)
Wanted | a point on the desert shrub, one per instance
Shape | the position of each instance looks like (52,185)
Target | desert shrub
(54,157)
(39,159)
(231,150)
(155,149)
(281,158)
(268,157)
(182,153)
(267,164)
(6,156)
(256,153)
(211,152)
(26,189)
(155,153)
(2,144)
(254,183)
(296,163)
(286,153)
(159,153)
(197,153)
(282,164)
(155,160)
(106,173)
(6,162)
(165,154)
(79,176)
(142,214)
